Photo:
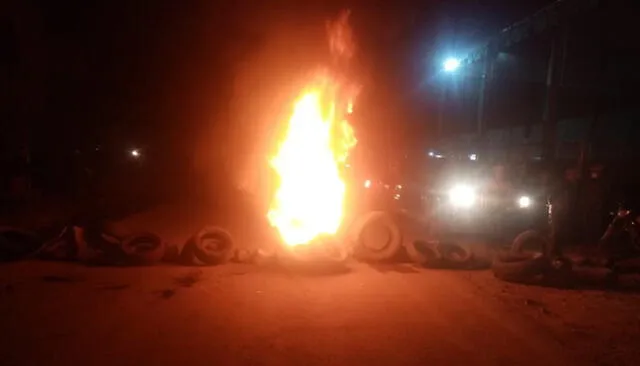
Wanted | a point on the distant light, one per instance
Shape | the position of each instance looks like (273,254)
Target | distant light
(524,201)
(438,156)
(367,183)
(473,157)
(462,196)
(431,153)
(451,64)
(135,153)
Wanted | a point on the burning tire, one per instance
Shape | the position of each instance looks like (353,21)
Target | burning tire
(323,252)
(143,249)
(378,238)
(519,267)
(420,252)
(16,243)
(530,241)
(213,245)
(454,255)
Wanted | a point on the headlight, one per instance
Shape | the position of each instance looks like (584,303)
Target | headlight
(524,202)
(462,196)
(367,183)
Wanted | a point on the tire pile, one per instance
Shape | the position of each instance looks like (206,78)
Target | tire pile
(525,262)
(440,255)
(90,244)
(376,237)
(373,237)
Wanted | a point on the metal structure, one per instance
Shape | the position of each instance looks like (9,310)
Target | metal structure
(552,20)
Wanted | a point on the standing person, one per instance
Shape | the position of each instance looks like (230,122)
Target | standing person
(499,191)
(563,224)
(593,199)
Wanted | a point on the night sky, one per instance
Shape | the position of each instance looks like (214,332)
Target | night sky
(163,72)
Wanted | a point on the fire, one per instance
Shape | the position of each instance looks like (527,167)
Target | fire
(309,200)
(310,197)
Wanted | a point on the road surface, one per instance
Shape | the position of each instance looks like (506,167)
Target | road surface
(68,314)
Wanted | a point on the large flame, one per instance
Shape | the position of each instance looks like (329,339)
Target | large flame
(310,197)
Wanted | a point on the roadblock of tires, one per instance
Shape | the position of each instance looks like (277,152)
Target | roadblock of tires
(377,237)
(373,237)
(94,245)
(525,262)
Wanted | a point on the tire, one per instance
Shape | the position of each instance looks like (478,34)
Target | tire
(325,251)
(519,267)
(17,244)
(266,257)
(629,266)
(60,246)
(115,229)
(370,248)
(335,251)
(454,255)
(171,254)
(187,253)
(213,246)
(420,252)
(143,249)
(529,241)
(244,256)
(84,252)
(594,276)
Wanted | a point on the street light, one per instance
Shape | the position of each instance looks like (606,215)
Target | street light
(451,64)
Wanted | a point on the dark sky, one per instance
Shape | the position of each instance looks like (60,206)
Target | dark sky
(164,70)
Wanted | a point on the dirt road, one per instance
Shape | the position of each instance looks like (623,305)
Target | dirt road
(68,314)
(64,314)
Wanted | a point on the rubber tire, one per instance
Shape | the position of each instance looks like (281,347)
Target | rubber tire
(594,276)
(527,236)
(116,230)
(453,254)
(393,245)
(207,255)
(60,247)
(420,252)
(521,268)
(244,256)
(335,251)
(17,244)
(266,257)
(187,253)
(136,254)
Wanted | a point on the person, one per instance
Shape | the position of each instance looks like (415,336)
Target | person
(563,203)
(499,191)
(594,196)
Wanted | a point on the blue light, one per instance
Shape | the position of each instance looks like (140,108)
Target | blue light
(451,64)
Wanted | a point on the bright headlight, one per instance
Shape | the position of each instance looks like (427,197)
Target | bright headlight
(524,201)
(462,196)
